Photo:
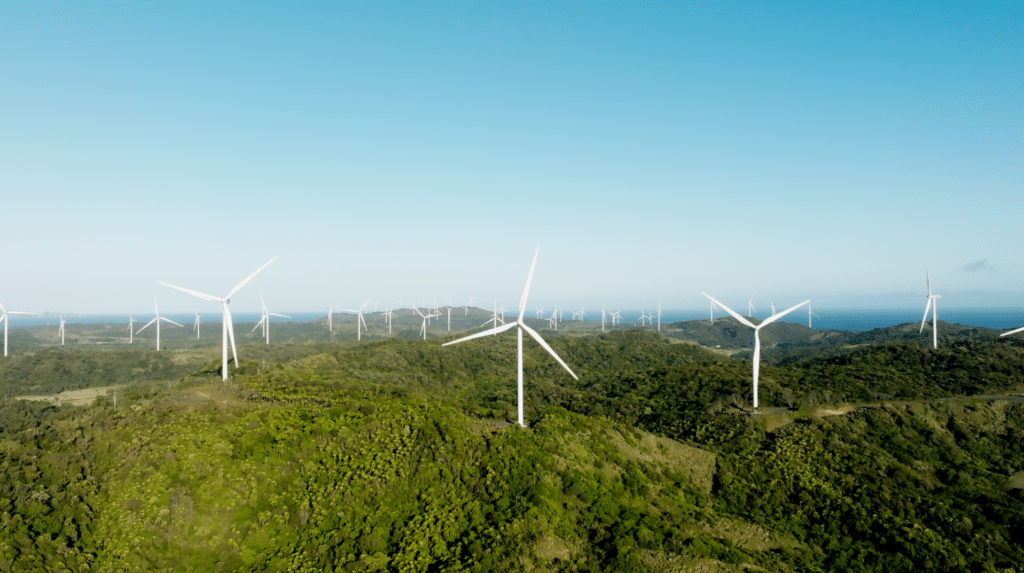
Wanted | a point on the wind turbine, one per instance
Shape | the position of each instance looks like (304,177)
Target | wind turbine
(227,327)
(62,331)
(330,313)
(553,321)
(521,324)
(359,318)
(495,319)
(388,315)
(809,315)
(426,317)
(750,308)
(157,320)
(602,318)
(539,314)
(5,316)
(265,320)
(757,332)
(131,325)
(932,299)
(616,317)
(195,327)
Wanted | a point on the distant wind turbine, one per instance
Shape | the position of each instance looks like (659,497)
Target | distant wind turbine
(330,314)
(157,320)
(387,316)
(227,328)
(62,331)
(131,324)
(195,326)
(809,315)
(521,324)
(602,317)
(426,317)
(5,316)
(750,308)
(360,321)
(265,320)
(932,299)
(757,330)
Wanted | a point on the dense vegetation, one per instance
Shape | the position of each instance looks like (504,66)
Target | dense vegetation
(397,455)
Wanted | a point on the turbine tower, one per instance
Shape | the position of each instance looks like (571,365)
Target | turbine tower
(757,332)
(388,315)
(265,320)
(750,308)
(131,325)
(330,313)
(195,327)
(61,331)
(932,299)
(157,320)
(521,324)
(6,314)
(227,328)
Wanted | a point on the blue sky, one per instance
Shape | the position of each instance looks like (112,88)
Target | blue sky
(421,151)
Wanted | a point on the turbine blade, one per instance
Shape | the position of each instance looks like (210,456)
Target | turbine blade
(730,311)
(526,289)
(550,350)
(1014,331)
(203,296)
(281,315)
(779,315)
(249,278)
(364,304)
(258,324)
(165,319)
(927,307)
(144,327)
(489,332)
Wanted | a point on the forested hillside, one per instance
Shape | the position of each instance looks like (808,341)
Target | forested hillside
(397,455)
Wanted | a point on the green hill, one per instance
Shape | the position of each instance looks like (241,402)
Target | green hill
(398,455)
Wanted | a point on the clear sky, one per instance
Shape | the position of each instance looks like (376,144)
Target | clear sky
(418,151)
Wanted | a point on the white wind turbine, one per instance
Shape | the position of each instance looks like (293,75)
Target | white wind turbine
(616,317)
(330,314)
(602,318)
(5,316)
(157,320)
(265,320)
(387,316)
(131,328)
(757,330)
(539,314)
(750,308)
(62,331)
(553,321)
(359,319)
(521,324)
(426,317)
(809,315)
(195,326)
(227,327)
(932,299)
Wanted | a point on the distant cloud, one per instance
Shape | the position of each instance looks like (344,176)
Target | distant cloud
(979,266)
